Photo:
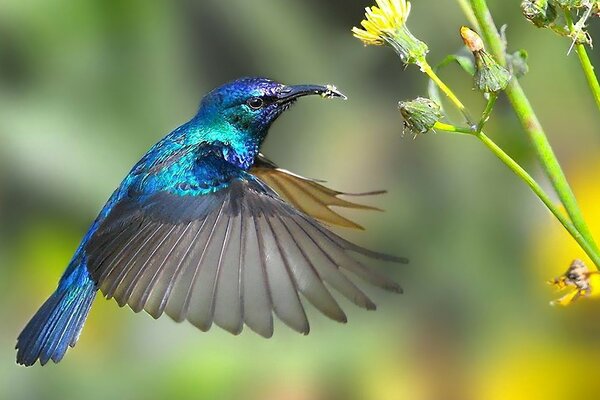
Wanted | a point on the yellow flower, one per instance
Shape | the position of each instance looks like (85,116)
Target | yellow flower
(382,20)
(386,24)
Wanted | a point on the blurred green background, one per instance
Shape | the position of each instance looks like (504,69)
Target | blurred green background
(87,86)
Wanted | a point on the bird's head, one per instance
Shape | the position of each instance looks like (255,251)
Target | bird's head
(248,106)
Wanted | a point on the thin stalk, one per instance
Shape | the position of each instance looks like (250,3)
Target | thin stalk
(532,125)
(537,189)
(529,181)
(453,128)
(584,60)
(468,11)
(426,68)
(488,110)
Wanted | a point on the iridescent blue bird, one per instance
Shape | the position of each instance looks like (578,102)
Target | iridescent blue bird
(206,229)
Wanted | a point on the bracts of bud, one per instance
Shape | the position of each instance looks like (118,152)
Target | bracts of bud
(490,76)
(541,13)
(420,115)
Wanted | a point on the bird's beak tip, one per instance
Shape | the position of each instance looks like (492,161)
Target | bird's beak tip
(331,92)
(293,92)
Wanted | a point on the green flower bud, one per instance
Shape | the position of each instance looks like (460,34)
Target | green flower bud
(420,115)
(489,75)
(539,12)
(572,3)
(410,49)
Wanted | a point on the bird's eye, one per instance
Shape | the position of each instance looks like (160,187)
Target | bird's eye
(255,103)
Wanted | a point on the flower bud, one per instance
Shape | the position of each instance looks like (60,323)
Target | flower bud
(420,115)
(489,75)
(539,12)
(572,3)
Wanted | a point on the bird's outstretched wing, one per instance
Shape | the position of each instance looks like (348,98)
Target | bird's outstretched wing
(232,257)
(308,195)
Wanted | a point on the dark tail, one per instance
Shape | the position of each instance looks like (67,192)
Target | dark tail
(58,323)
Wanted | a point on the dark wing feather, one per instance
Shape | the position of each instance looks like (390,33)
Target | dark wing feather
(231,258)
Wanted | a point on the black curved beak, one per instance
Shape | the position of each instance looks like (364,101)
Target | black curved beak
(290,93)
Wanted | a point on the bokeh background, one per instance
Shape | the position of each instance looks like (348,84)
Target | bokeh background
(87,86)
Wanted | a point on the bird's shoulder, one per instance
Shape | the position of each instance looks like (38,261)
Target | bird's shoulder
(183,169)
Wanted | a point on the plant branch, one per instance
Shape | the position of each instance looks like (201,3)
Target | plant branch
(488,110)
(521,173)
(468,11)
(453,128)
(584,60)
(528,179)
(532,126)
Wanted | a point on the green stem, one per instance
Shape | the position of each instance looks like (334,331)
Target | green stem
(488,110)
(584,60)
(426,68)
(559,30)
(528,179)
(453,128)
(521,173)
(532,126)
(468,11)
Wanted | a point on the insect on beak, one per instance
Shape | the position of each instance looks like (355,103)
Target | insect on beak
(290,93)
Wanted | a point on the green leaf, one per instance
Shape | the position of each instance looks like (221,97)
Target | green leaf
(463,57)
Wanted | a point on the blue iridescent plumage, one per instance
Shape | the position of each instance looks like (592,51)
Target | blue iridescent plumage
(205,228)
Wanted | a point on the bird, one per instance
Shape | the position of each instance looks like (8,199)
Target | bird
(205,228)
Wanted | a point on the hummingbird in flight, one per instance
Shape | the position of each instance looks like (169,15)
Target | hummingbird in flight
(204,228)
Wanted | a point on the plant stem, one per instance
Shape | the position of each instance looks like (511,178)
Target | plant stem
(468,11)
(588,70)
(528,179)
(521,173)
(426,68)
(584,60)
(488,110)
(453,128)
(532,126)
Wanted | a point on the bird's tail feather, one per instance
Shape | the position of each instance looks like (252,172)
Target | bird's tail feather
(59,321)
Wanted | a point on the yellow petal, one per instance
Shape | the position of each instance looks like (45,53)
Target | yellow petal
(387,16)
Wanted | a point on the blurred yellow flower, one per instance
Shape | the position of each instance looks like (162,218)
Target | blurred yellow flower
(386,24)
(538,368)
(554,248)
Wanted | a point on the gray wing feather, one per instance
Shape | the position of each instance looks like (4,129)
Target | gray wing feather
(286,302)
(227,297)
(306,277)
(200,305)
(257,302)
(182,290)
(231,258)
(328,270)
